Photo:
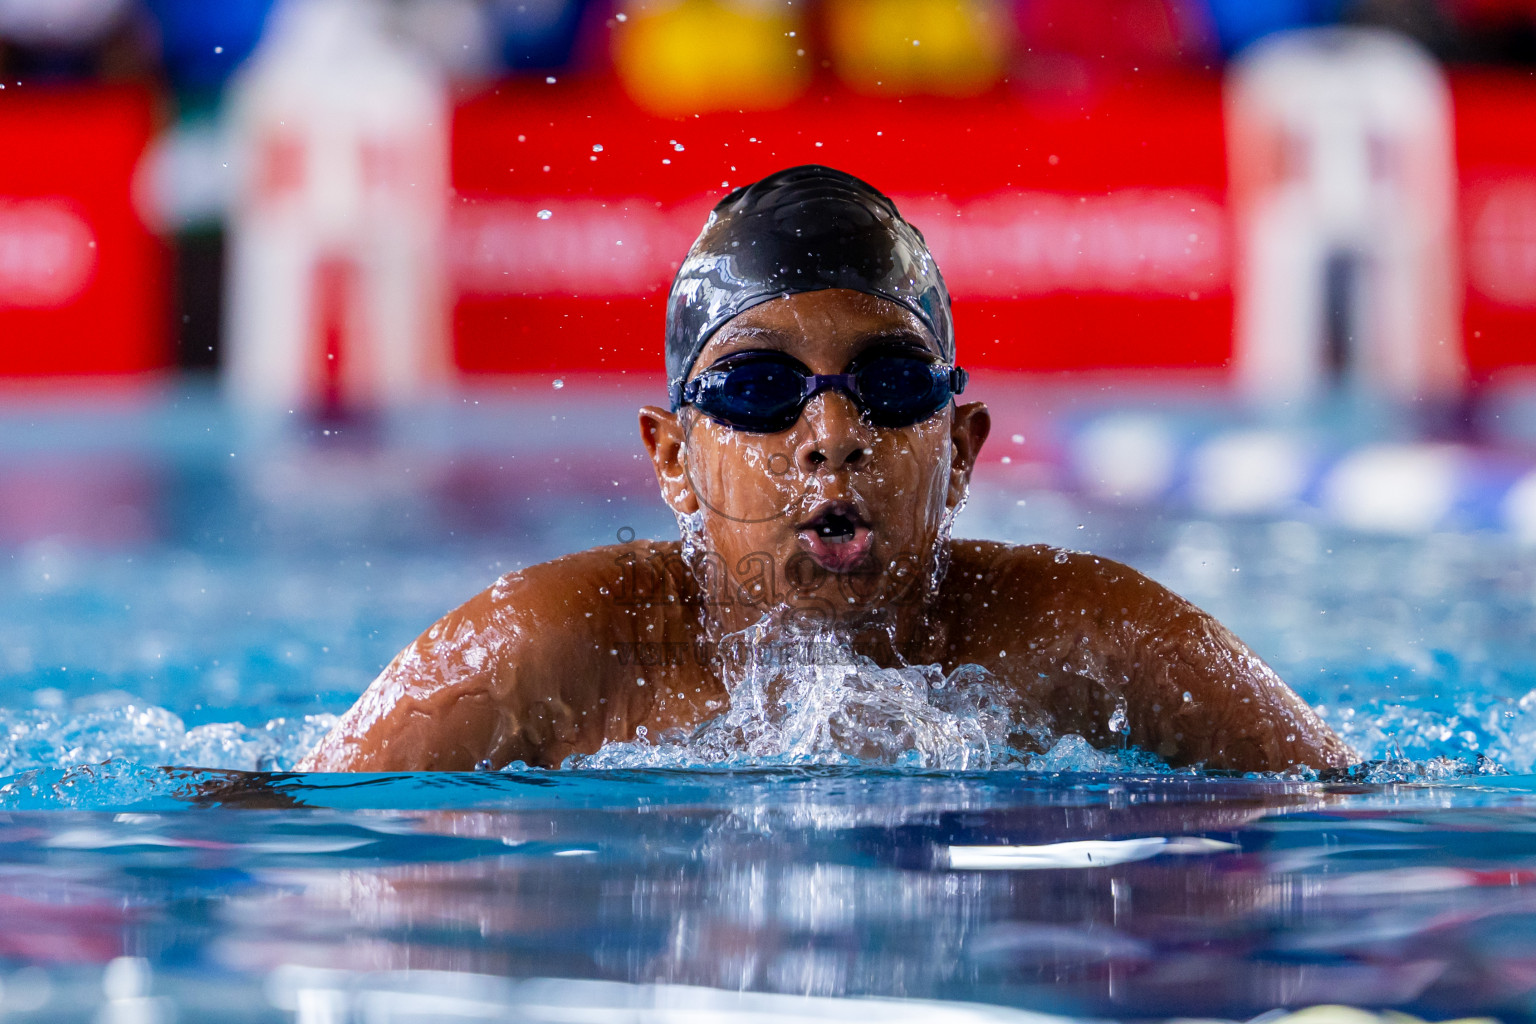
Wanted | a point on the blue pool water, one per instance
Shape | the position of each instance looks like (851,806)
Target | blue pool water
(179,586)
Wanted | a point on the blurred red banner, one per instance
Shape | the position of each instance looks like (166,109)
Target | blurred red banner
(83,283)
(1496,161)
(1078,230)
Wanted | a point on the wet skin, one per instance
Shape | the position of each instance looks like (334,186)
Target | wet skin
(833,521)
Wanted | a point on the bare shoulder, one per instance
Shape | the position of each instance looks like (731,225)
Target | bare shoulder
(1042,578)
(1089,635)
(555,616)
(587,584)
(514,673)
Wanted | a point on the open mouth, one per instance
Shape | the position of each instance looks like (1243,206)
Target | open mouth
(836,537)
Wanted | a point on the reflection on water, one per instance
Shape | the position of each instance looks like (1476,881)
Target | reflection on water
(1103,896)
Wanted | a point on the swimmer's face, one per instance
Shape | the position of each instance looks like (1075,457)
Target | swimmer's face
(834,516)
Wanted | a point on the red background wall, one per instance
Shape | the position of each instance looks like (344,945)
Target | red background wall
(83,283)
(1160,135)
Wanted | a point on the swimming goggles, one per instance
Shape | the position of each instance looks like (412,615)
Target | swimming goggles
(765,392)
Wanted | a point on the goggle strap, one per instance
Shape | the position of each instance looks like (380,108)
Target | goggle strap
(677,394)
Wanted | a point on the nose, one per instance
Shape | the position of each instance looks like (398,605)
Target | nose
(837,438)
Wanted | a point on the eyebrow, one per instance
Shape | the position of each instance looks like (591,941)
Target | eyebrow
(766,337)
(897,336)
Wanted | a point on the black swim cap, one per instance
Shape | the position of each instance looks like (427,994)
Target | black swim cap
(804,229)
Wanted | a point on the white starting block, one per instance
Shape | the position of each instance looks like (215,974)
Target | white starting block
(336,291)
(1343,187)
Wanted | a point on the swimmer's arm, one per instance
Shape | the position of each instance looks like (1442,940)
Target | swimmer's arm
(1196,694)
(407,722)
(1106,636)
(498,680)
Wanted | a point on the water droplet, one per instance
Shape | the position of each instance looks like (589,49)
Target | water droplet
(1061,558)
(597,148)
(559,383)
(545,214)
(1018,438)
(1118,723)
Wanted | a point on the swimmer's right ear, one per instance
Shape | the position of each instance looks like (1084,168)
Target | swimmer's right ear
(664,437)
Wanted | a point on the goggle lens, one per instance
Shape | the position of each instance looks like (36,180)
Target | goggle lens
(900,391)
(763,396)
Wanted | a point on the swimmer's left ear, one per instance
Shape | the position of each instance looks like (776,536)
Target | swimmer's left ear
(972,424)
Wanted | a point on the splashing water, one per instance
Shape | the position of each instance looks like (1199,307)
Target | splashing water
(150,735)
(804,696)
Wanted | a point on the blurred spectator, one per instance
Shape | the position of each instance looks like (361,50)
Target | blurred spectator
(184,181)
(939,47)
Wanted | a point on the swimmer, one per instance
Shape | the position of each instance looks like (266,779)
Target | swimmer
(814,451)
